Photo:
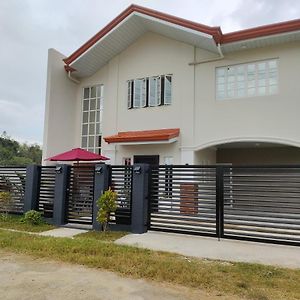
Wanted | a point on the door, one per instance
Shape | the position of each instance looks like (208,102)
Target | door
(152,160)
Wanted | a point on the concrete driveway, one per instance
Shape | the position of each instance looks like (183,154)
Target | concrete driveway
(211,248)
(22,277)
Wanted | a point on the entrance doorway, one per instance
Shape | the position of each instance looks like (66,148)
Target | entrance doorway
(152,160)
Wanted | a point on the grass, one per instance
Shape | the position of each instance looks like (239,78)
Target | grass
(15,222)
(95,250)
(108,236)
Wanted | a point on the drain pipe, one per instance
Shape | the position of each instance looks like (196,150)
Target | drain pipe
(221,56)
(72,78)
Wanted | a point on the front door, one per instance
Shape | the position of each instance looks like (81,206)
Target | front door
(152,160)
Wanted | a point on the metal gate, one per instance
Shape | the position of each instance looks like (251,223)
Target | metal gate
(121,182)
(244,202)
(262,203)
(183,199)
(80,195)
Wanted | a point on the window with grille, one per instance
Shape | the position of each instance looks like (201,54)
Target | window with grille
(92,111)
(247,80)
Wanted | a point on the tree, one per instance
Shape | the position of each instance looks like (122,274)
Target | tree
(14,153)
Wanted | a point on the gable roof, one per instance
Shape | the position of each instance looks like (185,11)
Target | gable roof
(137,20)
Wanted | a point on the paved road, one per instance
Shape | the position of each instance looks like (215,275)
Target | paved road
(22,277)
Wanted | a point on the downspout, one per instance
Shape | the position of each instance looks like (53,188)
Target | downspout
(221,56)
(72,78)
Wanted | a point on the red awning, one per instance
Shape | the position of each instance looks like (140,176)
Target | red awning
(143,136)
(77,154)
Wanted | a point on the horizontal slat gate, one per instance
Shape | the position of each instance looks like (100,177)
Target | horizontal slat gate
(12,179)
(183,199)
(46,193)
(81,195)
(121,182)
(262,203)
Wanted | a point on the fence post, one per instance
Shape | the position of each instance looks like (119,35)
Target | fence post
(60,194)
(32,187)
(219,201)
(101,184)
(140,193)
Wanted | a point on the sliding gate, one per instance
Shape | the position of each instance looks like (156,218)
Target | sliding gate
(254,202)
(183,199)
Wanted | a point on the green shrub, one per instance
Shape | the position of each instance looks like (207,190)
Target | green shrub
(33,217)
(107,204)
(5,202)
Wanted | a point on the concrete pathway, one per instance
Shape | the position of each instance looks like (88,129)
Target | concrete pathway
(211,248)
(62,232)
(26,278)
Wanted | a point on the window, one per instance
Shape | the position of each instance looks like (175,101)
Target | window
(247,80)
(92,111)
(149,91)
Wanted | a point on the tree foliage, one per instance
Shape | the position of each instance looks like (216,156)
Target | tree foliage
(13,153)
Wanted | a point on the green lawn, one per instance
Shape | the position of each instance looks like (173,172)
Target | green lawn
(96,250)
(14,222)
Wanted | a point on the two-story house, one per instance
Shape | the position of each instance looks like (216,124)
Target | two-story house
(151,87)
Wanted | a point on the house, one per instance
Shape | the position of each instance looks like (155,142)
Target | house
(151,87)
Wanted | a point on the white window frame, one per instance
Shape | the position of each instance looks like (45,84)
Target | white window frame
(246,82)
(157,91)
(97,122)
(165,91)
(137,101)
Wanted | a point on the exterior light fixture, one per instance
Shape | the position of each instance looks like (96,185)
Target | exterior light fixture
(137,170)
(58,169)
(99,169)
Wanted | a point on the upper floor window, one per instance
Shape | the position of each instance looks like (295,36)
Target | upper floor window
(92,111)
(247,80)
(149,91)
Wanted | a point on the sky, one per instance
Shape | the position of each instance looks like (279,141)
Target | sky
(28,28)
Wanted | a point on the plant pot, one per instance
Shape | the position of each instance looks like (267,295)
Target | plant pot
(123,216)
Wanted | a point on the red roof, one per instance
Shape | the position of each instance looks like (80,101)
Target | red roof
(216,32)
(143,136)
(77,154)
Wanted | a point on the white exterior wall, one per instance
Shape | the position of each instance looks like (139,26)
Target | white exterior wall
(60,109)
(203,121)
(266,118)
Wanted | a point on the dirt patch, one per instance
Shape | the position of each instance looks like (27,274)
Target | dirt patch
(23,277)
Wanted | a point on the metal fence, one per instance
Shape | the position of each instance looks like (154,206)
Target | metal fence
(121,182)
(46,191)
(80,195)
(183,198)
(256,203)
(262,203)
(12,180)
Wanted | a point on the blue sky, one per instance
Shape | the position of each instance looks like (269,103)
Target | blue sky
(29,27)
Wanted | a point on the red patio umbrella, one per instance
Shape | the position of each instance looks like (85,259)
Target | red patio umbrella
(77,154)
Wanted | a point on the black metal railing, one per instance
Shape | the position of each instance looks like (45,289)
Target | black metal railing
(12,180)
(46,191)
(80,195)
(121,182)
(183,199)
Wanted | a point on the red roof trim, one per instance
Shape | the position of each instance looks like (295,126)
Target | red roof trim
(143,136)
(214,31)
(261,31)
